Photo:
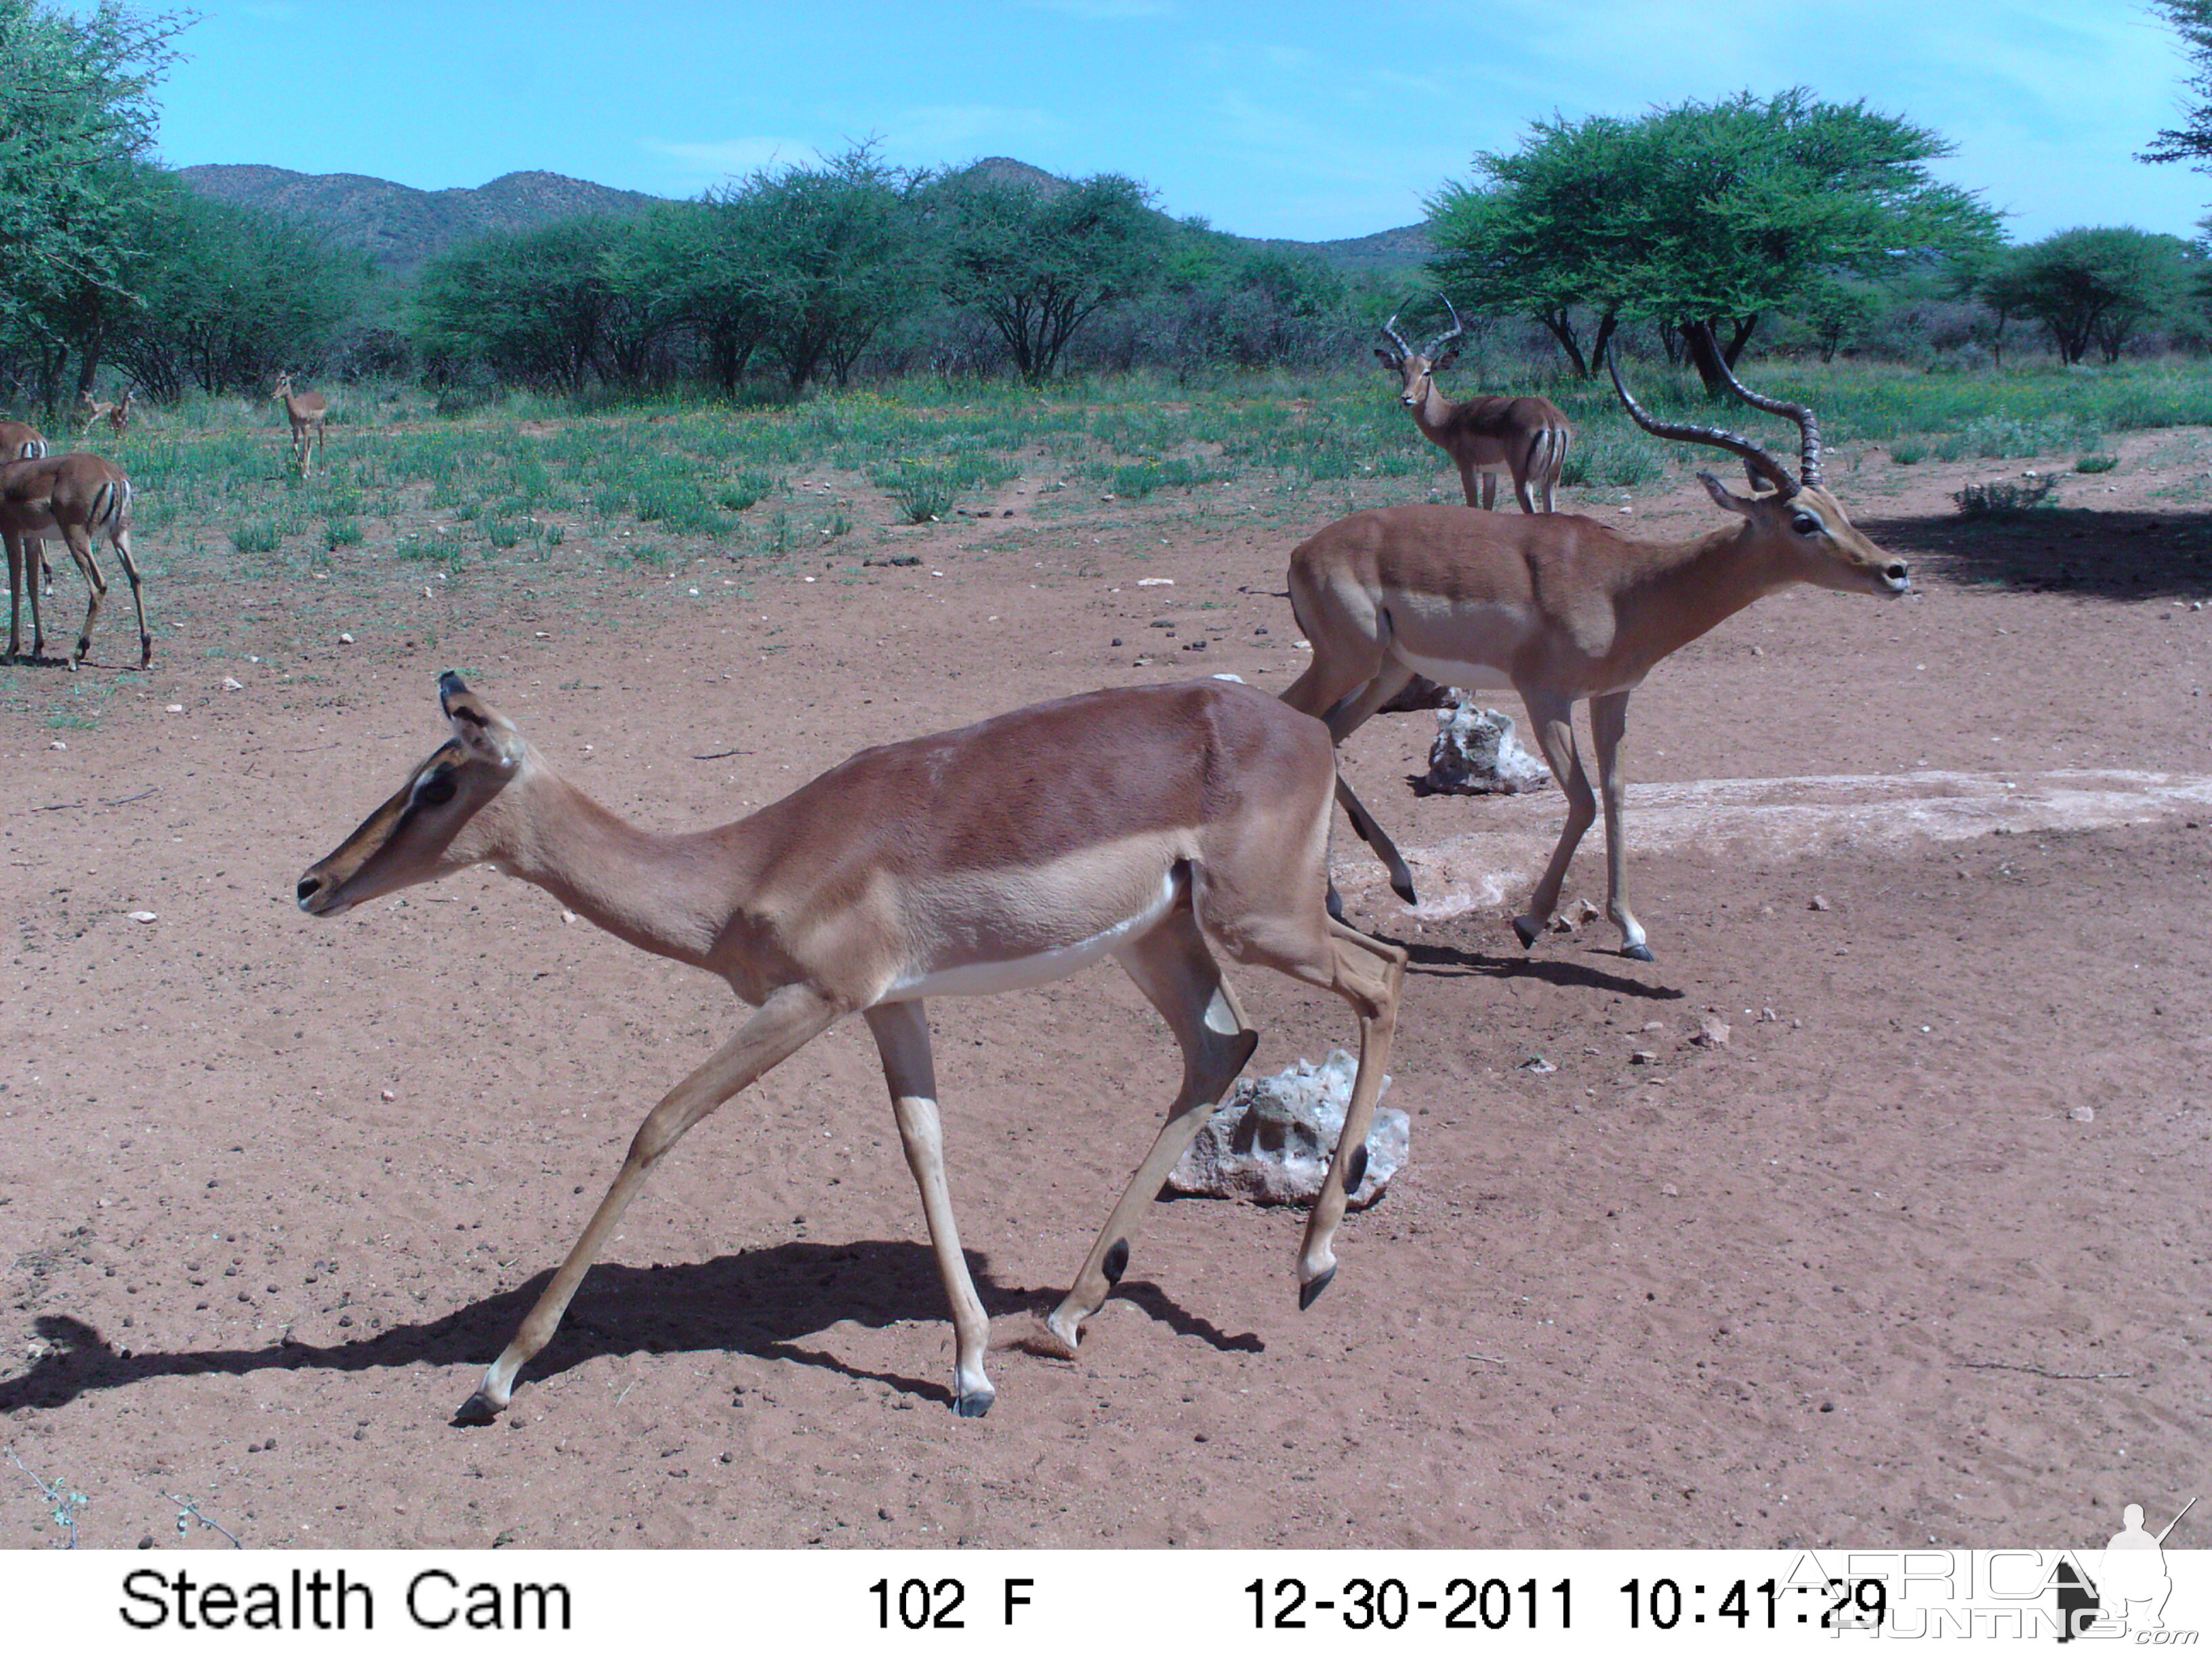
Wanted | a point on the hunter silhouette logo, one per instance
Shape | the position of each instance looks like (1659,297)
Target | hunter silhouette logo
(2128,1592)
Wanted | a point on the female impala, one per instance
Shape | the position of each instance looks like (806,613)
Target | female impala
(1563,608)
(1148,823)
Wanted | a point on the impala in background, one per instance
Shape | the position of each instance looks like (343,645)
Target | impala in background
(306,410)
(1526,438)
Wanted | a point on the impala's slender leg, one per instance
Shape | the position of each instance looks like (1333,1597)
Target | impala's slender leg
(121,542)
(37,556)
(787,1020)
(1609,725)
(16,595)
(1520,478)
(79,541)
(1347,717)
(1177,973)
(1369,973)
(1333,691)
(1552,715)
(901,1031)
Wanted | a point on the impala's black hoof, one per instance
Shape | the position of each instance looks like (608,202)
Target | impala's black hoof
(1404,890)
(973,1405)
(1310,1292)
(1336,903)
(1525,933)
(476,1411)
(1638,953)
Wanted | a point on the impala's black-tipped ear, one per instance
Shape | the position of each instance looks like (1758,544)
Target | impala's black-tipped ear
(1444,362)
(1389,360)
(483,732)
(1722,497)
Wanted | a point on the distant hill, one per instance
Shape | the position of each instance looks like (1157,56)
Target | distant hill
(1403,249)
(402,228)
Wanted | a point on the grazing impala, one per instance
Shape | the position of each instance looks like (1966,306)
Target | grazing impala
(306,410)
(1155,823)
(1562,608)
(81,498)
(1525,437)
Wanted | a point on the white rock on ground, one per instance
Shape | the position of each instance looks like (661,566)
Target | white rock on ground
(1271,1140)
(1476,752)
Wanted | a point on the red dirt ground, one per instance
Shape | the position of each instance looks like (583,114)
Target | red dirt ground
(1919,1254)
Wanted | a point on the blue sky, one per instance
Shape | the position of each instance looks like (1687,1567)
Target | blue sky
(1293,120)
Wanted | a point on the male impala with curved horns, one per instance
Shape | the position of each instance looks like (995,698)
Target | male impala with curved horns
(1148,823)
(1562,608)
(1525,437)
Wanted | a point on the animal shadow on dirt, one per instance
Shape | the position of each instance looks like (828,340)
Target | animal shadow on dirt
(757,1301)
(1449,961)
(2060,549)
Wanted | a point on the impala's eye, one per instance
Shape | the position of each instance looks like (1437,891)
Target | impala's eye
(1806,525)
(436,789)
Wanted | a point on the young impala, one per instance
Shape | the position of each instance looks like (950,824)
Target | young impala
(1563,608)
(1156,824)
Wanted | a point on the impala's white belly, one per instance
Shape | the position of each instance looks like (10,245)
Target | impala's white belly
(1467,645)
(985,976)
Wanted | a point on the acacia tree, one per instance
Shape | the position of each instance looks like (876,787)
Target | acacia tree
(1705,217)
(232,297)
(76,121)
(2191,142)
(836,252)
(2096,287)
(1039,262)
(545,305)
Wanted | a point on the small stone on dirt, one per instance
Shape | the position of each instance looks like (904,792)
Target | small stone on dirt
(1712,1032)
(1539,1065)
(345,639)
(230,684)
(1155,581)
(57,744)
(1818,903)
(388,1095)
(144,916)
(1669,1190)
(1643,1057)
(175,709)
(2083,1114)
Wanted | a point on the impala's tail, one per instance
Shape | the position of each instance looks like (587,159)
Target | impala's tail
(111,507)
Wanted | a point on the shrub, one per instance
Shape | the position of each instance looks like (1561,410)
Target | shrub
(2007,497)
(2096,463)
(743,490)
(921,493)
(341,532)
(255,536)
